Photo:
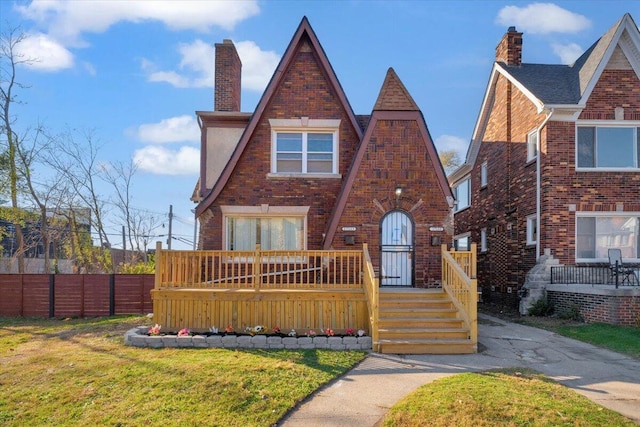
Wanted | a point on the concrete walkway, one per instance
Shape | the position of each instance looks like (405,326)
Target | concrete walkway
(363,395)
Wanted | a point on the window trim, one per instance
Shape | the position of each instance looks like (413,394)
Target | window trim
(264,211)
(587,214)
(457,237)
(633,124)
(531,223)
(532,155)
(305,126)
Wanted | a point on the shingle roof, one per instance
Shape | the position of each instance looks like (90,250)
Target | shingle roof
(564,84)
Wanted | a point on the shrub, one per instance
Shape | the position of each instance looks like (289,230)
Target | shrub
(571,313)
(541,308)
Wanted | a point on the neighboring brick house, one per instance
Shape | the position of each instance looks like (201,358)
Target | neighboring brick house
(303,172)
(554,162)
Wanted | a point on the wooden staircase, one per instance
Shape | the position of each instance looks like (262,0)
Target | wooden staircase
(420,321)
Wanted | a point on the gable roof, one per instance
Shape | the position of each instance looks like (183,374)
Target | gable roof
(304,30)
(394,103)
(553,88)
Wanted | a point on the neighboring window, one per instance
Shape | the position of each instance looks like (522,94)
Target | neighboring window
(608,147)
(483,240)
(304,146)
(271,227)
(483,175)
(462,242)
(596,234)
(532,230)
(532,145)
(462,193)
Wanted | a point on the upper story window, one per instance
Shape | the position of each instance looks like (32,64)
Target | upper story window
(608,147)
(304,147)
(532,146)
(462,193)
(483,174)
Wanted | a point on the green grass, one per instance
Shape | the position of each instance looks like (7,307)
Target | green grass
(78,372)
(499,398)
(623,339)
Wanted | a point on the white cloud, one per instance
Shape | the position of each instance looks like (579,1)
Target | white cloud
(197,66)
(164,161)
(68,19)
(174,129)
(455,143)
(568,53)
(42,53)
(257,65)
(542,18)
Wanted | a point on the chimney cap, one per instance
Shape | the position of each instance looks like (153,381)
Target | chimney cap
(512,29)
(228,41)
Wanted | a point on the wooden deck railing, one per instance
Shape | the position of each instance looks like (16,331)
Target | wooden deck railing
(460,282)
(259,269)
(371,290)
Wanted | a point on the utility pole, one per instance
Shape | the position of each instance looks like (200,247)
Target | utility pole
(170,221)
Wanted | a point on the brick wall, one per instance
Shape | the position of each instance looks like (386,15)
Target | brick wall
(621,309)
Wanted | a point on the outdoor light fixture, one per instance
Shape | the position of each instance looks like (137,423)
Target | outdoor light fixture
(398,191)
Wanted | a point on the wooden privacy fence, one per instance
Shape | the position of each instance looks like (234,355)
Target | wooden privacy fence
(71,295)
(460,282)
(289,289)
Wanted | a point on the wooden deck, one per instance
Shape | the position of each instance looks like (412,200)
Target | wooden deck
(316,290)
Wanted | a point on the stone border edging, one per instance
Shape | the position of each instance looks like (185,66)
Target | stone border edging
(137,337)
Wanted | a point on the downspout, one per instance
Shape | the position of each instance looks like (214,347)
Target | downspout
(538,184)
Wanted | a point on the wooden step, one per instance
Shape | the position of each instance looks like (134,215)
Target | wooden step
(426,346)
(420,333)
(420,303)
(438,313)
(419,322)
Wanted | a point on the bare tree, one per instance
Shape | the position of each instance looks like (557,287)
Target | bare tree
(450,160)
(10,59)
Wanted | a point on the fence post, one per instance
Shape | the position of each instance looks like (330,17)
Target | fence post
(112,294)
(160,265)
(52,295)
(257,268)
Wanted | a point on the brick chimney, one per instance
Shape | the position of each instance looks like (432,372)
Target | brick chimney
(227,77)
(509,50)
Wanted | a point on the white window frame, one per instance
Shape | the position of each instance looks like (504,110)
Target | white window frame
(264,211)
(467,202)
(604,258)
(458,237)
(532,145)
(483,240)
(532,230)
(484,173)
(634,125)
(305,126)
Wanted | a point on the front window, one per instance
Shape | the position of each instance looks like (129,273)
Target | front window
(608,147)
(462,193)
(271,233)
(596,234)
(532,146)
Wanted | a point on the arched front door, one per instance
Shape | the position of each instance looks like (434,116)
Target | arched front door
(396,249)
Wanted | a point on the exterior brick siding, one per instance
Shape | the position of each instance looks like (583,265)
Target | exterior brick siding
(612,309)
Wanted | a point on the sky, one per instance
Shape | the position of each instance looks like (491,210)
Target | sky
(135,72)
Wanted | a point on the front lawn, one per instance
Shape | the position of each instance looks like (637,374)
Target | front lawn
(78,372)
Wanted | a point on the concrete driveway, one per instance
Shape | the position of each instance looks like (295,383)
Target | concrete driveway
(364,394)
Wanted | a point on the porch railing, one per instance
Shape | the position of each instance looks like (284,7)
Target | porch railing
(460,282)
(372,291)
(259,269)
(590,275)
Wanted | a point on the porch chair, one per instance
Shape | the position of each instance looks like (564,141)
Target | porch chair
(617,267)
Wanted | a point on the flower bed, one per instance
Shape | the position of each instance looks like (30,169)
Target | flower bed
(143,336)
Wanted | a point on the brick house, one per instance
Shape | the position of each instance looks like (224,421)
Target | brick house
(303,172)
(553,168)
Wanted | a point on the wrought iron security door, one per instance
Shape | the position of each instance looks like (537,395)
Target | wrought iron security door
(396,249)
